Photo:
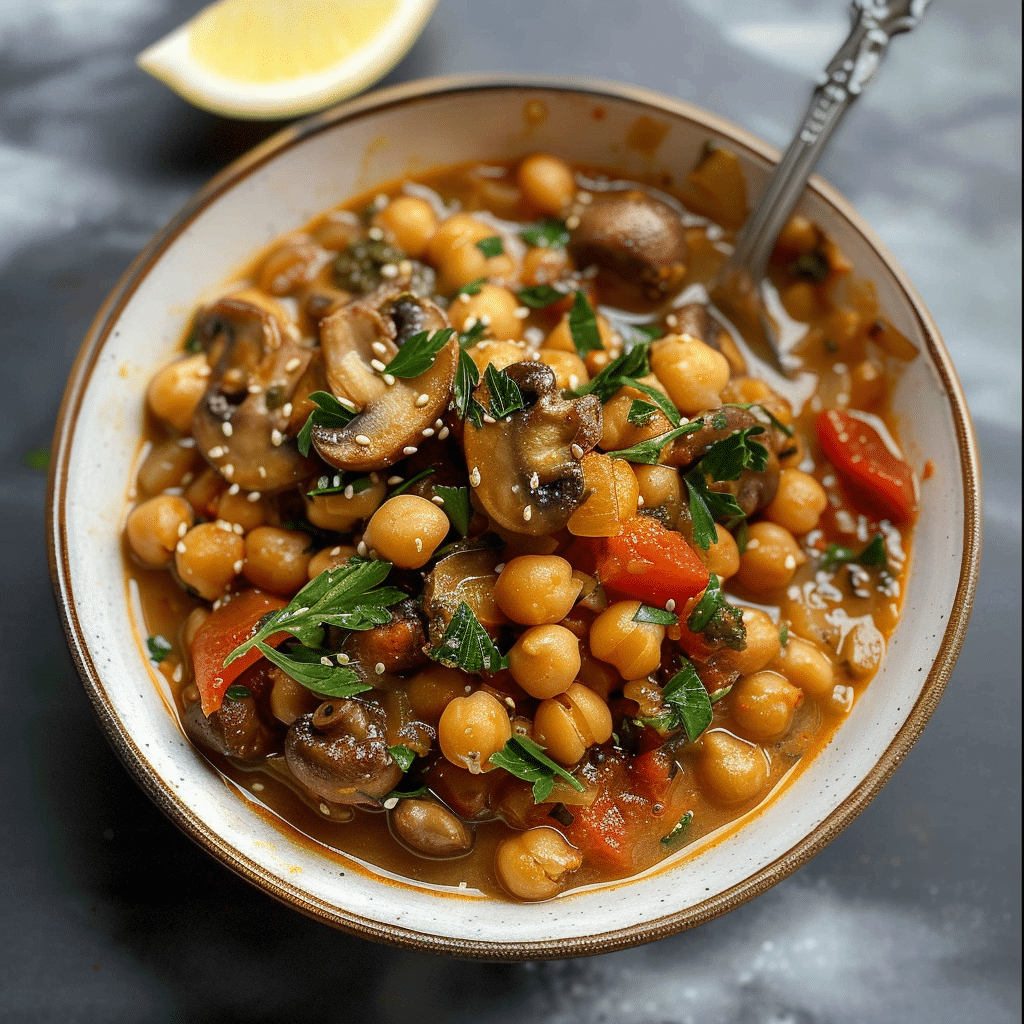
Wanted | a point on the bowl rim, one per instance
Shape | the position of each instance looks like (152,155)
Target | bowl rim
(131,754)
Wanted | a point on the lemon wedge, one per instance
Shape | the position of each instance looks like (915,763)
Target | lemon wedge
(280,58)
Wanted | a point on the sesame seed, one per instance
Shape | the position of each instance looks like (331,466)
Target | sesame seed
(258,787)
(463,297)
(324,809)
(254,389)
(363,440)
(237,567)
(349,492)
(640,501)
(389,270)
(377,365)
(276,438)
(389,379)
(498,568)
(379,348)
(790,562)
(217,451)
(418,543)
(485,319)
(488,418)
(261,472)
(180,547)
(379,668)
(427,431)
(437,499)
(391,803)
(361,549)
(534,481)
(223,524)
(238,528)
(203,371)
(672,320)
(187,478)
(325,661)
(286,409)
(670,605)
(443,433)
(421,400)
(177,673)
(182,529)
(577,451)
(292,365)
(521,312)
(584,198)
(753,544)
(528,513)
(347,402)
(226,429)
(474,477)
(343,659)
(376,233)
(233,489)
(253,496)
(409,450)
(572,222)
(470,323)
(394,481)
(574,381)
(228,470)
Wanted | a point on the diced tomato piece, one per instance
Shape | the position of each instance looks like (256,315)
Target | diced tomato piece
(227,627)
(600,833)
(649,562)
(860,455)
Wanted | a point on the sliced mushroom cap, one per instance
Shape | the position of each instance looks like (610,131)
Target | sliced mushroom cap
(393,416)
(340,753)
(241,424)
(528,464)
(397,645)
(234,730)
(638,244)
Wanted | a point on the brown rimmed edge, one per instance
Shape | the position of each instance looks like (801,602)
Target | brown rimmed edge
(646,931)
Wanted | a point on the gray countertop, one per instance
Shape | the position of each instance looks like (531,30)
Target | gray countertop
(912,914)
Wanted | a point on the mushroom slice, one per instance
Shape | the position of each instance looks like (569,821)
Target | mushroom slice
(638,244)
(525,468)
(357,341)
(241,423)
(340,753)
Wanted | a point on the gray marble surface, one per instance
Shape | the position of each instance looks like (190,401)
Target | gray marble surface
(108,913)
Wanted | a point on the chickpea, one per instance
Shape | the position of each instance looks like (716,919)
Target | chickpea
(341,511)
(634,648)
(798,236)
(660,487)
(410,221)
(723,557)
(328,558)
(617,432)
(473,728)
(762,705)
(532,865)
(433,689)
(806,666)
(770,558)
(692,373)
(613,498)
(498,353)
(239,510)
(290,700)
(208,558)
(429,829)
(154,528)
(495,306)
(289,267)
(545,660)
(567,724)
(175,391)
(733,770)
(570,370)
(798,503)
(453,252)
(277,560)
(542,265)
(167,464)
(537,589)
(203,493)
(763,644)
(598,676)
(406,530)
(547,183)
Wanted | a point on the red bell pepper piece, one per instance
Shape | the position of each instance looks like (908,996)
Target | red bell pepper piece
(227,627)
(858,452)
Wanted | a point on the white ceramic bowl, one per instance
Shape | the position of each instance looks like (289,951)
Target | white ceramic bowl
(280,186)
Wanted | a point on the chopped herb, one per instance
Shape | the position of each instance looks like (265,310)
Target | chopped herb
(417,355)
(467,376)
(721,692)
(649,452)
(688,706)
(358,268)
(718,620)
(620,371)
(492,246)
(406,484)
(583,326)
(467,645)
(638,334)
(784,634)
(412,794)
(402,756)
(677,832)
(346,596)
(473,288)
(36,458)
(159,648)
(193,344)
(337,484)
(506,398)
(648,613)
(661,400)
(812,266)
(706,506)
(874,556)
(467,339)
(306,666)
(274,397)
(728,458)
(549,233)
(456,506)
(640,412)
(329,412)
(540,296)
(237,692)
(526,760)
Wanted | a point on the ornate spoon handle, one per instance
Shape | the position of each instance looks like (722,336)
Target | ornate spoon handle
(875,22)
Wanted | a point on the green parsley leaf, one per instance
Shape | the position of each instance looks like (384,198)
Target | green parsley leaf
(336,484)
(402,756)
(874,556)
(406,484)
(159,648)
(549,233)
(649,452)
(492,246)
(456,506)
(329,412)
(467,645)
(721,692)
(783,635)
(467,376)
(417,355)
(640,412)
(718,620)
(526,760)
(638,334)
(583,326)
(467,339)
(622,370)
(473,288)
(689,707)
(306,666)
(661,400)
(539,296)
(237,692)
(506,398)
(648,613)
(728,458)
(346,596)
(706,506)
(678,830)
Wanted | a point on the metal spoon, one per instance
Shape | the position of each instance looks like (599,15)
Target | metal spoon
(737,291)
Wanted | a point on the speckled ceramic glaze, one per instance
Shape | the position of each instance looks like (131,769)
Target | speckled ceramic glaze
(280,186)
